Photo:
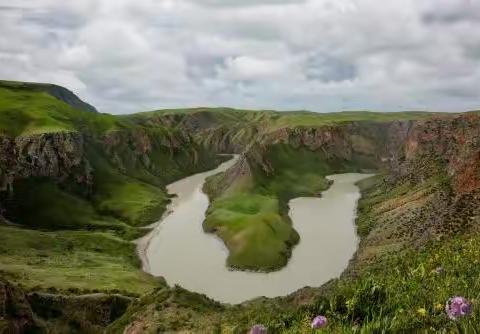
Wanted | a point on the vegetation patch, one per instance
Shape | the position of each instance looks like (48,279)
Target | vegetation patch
(73,227)
(256,234)
(76,260)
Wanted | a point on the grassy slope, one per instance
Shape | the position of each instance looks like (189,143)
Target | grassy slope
(84,260)
(79,258)
(121,199)
(27,111)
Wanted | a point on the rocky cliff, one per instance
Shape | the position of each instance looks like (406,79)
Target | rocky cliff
(57,156)
(16,315)
(430,192)
(22,312)
(354,146)
(448,145)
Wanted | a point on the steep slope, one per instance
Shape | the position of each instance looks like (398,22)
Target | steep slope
(88,181)
(33,312)
(418,222)
(432,194)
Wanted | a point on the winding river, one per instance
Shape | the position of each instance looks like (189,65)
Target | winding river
(179,250)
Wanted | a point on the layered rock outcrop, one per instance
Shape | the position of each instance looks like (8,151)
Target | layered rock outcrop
(57,156)
(449,145)
(431,191)
(376,144)
(16,315)
(37,312)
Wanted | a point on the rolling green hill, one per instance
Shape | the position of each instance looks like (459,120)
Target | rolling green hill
(71,174)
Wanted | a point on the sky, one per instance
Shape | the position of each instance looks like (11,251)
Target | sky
(125,56)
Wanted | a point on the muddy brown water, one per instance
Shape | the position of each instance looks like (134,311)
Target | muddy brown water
(179,250)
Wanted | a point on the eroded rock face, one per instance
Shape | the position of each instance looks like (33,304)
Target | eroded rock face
(379,142)
(92,313)
(39,312)
(143,148)
(437,182)
(450,145)
(58,156)
(7,163)
(15,311)
(68,97)
(226,140)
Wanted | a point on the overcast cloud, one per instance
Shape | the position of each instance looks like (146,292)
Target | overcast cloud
(322,55)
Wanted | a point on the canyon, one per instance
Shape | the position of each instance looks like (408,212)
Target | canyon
(77,187)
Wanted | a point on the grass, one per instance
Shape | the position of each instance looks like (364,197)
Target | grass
(311,119)
(25,111)
(300,172)
(136,203)
(130,164)
(254,231)
(41,204)
(392,294)
(82,260)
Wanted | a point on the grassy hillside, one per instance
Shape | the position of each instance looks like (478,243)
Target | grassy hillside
(78,261)
(26,110)
(59,92)
(91,181)
(287,118)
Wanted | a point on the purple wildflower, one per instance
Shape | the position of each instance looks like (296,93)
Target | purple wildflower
(439,270)
(258,329)
(319,322)
(457,307)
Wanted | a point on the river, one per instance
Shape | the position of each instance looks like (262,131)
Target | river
(179,250)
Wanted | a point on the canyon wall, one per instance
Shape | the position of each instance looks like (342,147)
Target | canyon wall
(431,193)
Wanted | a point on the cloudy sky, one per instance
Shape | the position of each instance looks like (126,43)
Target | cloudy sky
(321,55)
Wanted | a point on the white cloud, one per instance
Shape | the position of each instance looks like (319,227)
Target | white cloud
(251,68)
(243,3)
(322,55)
